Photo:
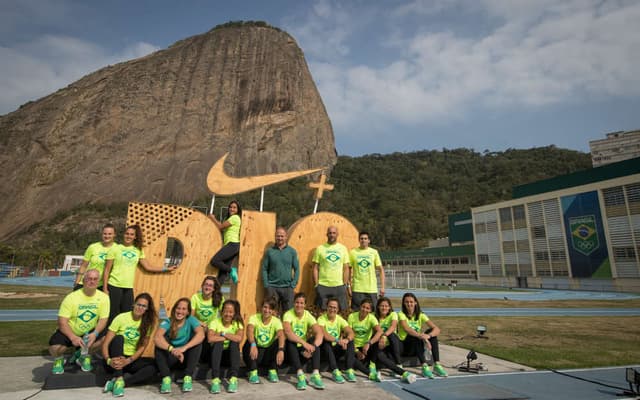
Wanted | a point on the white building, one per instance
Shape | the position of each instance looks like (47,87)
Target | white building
(71,263)
(618,146)
(578,231)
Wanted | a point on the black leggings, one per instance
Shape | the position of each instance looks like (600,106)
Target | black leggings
(296,358)
(166,360)
(371,357)
(392,349)
(266,356)
(229,357)
(139,371)
(120,300)
(413,346)
(223,258)
(334,353)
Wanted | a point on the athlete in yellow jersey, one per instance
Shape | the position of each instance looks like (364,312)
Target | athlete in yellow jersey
(265,342)
(96,255)
(83,312)
(364,261)
(230,244)
(297,323)
(331,270)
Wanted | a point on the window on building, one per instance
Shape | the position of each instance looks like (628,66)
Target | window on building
(624,253)
(518,212)
(613,196)
(542,256)
(538,232)
(558,255)
(483,259)
(481,227)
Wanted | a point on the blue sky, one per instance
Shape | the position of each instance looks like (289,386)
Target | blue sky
(393,75)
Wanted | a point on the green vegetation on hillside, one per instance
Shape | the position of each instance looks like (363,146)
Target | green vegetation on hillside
(402,199)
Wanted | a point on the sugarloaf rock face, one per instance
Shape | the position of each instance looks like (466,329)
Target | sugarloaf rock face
(151,128)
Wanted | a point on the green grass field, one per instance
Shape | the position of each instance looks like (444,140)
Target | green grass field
(539,342)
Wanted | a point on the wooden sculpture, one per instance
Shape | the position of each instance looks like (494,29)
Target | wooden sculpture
(200,240)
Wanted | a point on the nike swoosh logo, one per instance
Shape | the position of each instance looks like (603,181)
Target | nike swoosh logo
(222,184)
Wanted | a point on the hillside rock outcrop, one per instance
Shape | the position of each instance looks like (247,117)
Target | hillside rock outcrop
(151,128)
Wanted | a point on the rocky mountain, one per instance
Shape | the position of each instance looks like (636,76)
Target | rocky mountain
(151,128)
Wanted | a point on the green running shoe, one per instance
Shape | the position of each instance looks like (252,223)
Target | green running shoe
(316,381)
(351,375)
(85,363)
(108,387)
(337,376)
(302,382)
(272,376)
(74,357)
(409,377)
(187,384)
(233,385)
(165,386)
(439,370)
(118,388)
(234,275)
(58,366)
(253,376)
(374,375)
(426,371)
(215,386)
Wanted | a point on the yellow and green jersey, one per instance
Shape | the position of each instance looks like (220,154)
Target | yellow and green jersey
(127,327)
(330,259)
(204,309)
(83,311)
(415,323)
(232,232)
(364,263)
(386,322)
(125,261)
(216,325)
(333,328)
(265,335)
(96,256)
(299,326)
(363,329)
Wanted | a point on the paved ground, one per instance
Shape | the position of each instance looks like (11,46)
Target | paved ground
(23,377)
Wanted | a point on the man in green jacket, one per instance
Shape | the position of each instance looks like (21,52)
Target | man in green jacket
(280,271)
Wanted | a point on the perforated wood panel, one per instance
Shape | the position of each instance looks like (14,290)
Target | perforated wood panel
(200,240)
(310,232)
(156,219)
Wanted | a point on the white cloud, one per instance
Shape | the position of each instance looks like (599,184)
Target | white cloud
(36,68)
(537,54)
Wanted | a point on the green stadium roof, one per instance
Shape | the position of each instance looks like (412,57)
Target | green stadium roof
(603,173)
(449,251)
